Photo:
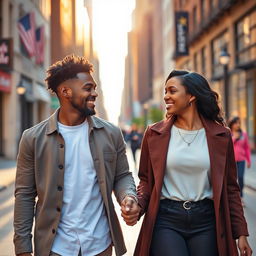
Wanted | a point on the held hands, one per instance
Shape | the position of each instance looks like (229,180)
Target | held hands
(130,210)
(244,247)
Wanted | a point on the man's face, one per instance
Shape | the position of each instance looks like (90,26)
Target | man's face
(83,94)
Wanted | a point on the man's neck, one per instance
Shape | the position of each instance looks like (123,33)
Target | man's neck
(70,118)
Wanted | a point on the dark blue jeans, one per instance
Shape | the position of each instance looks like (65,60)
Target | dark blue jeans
(181,232)
(240,175)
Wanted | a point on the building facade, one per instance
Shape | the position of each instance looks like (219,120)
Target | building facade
(230,26)
(25,74)
(71,33)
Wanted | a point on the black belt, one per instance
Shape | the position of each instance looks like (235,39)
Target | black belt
(187,205)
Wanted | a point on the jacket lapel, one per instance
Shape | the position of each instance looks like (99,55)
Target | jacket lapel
(158,144)
(217,139)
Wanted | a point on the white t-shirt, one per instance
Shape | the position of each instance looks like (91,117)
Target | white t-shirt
(83,222)
(187,175)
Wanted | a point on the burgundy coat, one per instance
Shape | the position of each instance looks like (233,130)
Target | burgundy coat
(230,221)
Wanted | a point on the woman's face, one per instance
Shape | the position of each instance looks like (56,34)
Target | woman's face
(236,126)
(176,98)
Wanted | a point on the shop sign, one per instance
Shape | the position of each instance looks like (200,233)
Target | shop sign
(5,82)
(6,54)
(181,25)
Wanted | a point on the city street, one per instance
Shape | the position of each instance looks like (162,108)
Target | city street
(130,233)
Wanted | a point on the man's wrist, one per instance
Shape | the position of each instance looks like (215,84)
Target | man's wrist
(133,197)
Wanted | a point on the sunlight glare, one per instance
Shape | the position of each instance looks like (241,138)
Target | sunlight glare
(111,22)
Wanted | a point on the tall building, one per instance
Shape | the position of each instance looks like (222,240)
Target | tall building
(71,33)
(24,55)
(224,27)
(150,58)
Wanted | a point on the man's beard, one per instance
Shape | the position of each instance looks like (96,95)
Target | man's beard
(84,111)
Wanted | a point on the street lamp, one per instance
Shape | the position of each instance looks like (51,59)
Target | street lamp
(20,89)
(224,59)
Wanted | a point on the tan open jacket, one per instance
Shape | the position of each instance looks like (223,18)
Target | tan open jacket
(40,173)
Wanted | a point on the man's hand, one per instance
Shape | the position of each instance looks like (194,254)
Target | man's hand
(244,247)
(130,210)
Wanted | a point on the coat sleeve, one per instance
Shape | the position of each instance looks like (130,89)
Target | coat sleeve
(143,189)
(123,182)
(238,222)
(25,194)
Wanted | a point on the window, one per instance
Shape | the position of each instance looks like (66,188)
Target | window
(203,10)
(187,65)
(203,61)
(196,61)
(218,44)
(246,39)
(194,18)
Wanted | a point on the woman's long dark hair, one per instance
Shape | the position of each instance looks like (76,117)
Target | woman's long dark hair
(207,100)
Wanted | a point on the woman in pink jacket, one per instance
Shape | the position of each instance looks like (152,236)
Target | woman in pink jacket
(241,148)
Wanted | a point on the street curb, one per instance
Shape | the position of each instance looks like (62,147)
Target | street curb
(3,187)
(250,187)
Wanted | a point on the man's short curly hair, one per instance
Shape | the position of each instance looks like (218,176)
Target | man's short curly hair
(66,69)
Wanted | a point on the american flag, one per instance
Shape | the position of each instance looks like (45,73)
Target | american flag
(40,45)
(26,27)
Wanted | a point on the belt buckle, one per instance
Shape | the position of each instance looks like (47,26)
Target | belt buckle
(185,206)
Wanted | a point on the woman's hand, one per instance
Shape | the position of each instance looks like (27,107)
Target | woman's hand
(244,247)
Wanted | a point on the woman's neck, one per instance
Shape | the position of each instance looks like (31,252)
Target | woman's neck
(189,121)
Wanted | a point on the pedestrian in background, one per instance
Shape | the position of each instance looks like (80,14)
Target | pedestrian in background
(72,162)
(135,138)
(242,150)
(188,186)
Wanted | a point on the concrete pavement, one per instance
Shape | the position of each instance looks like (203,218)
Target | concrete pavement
(7,177)
(8,168)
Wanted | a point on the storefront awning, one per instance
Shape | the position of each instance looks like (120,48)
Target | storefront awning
(42,94)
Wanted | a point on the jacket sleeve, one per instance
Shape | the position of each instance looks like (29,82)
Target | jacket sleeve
(238,222)
(247,149)
(123,183)
(143,189)
(25,193)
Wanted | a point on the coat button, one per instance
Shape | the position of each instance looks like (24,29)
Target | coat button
(53,231)
(61,146)
(60,166)
(59,188)
(58,209)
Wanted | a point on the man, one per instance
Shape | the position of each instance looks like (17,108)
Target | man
(72,162)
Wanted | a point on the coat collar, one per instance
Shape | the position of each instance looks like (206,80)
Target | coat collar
(52,125)
(211,127)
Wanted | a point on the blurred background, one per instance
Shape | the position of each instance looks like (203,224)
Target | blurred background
(133,46)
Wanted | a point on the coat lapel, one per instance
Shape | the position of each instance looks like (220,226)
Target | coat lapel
(158,146)
(217,139)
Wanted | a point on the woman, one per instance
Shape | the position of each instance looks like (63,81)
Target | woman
(241,148)
(188,189)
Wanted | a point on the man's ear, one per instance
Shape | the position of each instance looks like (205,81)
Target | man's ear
(65,92)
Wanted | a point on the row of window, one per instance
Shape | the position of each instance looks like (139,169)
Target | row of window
(245,42)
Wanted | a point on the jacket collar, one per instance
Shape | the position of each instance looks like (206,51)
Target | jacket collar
(211,127)
(52,125)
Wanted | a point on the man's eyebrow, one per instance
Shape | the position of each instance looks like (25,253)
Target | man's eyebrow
(89,84)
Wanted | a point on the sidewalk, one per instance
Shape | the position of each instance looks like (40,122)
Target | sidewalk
(7,172)
(8,169)
(250,174)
